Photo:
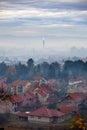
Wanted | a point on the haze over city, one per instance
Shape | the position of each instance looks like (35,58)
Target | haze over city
(24,23)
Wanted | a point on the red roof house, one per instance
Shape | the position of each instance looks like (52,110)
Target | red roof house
(74,98)
(44,115)
(68,109)
(16,102)
(28,98)
(18,86)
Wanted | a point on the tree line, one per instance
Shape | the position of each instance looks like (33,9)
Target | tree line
(53,70)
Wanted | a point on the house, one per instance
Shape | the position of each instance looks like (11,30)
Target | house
(5,106)
(43,92)
(52,99)
(42,95)
(78,89)
(75,81)
(3,80)
(48,88)
(42,82)
(28,98)
(18,87)
(10,103)
(16,102)
(23,116)
(44,115)
(69,110)
(38,78)
(73,98)
(52,82)
(33,85)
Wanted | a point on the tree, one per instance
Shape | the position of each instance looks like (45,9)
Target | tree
(37,70)
(21,71)
(3,69)
(44,67)
(83,109)
(78,123)
(76,68)
(30,65)
(54,70)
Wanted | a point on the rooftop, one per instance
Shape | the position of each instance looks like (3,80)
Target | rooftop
(46,112)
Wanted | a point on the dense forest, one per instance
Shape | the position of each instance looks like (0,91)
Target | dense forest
(29,70)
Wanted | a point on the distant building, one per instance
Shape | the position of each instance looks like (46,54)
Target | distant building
(75,81)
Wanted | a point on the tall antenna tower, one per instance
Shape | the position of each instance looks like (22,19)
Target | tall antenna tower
(43,40)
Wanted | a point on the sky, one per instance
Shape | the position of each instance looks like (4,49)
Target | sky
(25,23)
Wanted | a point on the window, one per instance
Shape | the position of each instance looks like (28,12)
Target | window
(36,94)
(32,116)
(20,89)
(30,99)
(39,117)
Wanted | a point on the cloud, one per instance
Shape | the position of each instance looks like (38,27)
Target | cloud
(47,4)
(34,16)
(70,10)
(43,12)
(63,21)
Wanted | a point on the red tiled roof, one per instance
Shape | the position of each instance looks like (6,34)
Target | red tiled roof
(52,89)
(23,114)
(41,92)
(38,78)
(48,88)
(85,95)
(56,113)
(5,85)
(45,112)
(68,109)
(34,84)
(76,96)
(15,99)
(19,82)
(30,94)
(52,100)
(2,81)
(52,82)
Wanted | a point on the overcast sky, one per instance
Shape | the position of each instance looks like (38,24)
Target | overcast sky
(24,23)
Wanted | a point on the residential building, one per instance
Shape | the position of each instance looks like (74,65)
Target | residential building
(16,102)
(18,87)
(69,110)
(28,98)
(44,115)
